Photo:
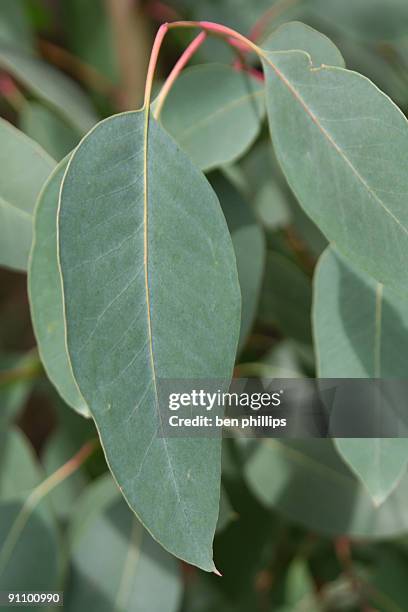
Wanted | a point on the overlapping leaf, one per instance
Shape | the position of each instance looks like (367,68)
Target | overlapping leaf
(24,167)
(214,113)
(45,293)
(151,292)
(361,332)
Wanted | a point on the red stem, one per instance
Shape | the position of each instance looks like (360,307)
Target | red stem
(178,67)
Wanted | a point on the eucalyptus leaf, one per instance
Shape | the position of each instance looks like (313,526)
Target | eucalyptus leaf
(361,331)
(45,294)
(137,575)
(341,143)
(214,112)
(150,288)
(50,86)
(18,192)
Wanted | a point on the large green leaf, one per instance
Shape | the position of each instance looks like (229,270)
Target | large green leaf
(151,292)
(306,481)
(341,143)
(45,293)
(45,127)
(214,112)
(24,167)
(135,576)
(361,331)
(50,86)
(249,246)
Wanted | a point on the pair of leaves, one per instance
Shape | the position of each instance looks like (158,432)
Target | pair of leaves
(361,332)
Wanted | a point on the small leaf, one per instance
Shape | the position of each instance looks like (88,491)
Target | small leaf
(136,575)
(361,331)
(48,129)
(50,86)
(341,143)
(214,113)
(24,167)
(45,294)
(150,288)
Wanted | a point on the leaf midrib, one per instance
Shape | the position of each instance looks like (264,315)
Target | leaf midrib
(149,318)
(330,139)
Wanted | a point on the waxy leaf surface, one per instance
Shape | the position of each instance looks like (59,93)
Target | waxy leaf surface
(45,293)
(342,146)
(151,292)
(214,113)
